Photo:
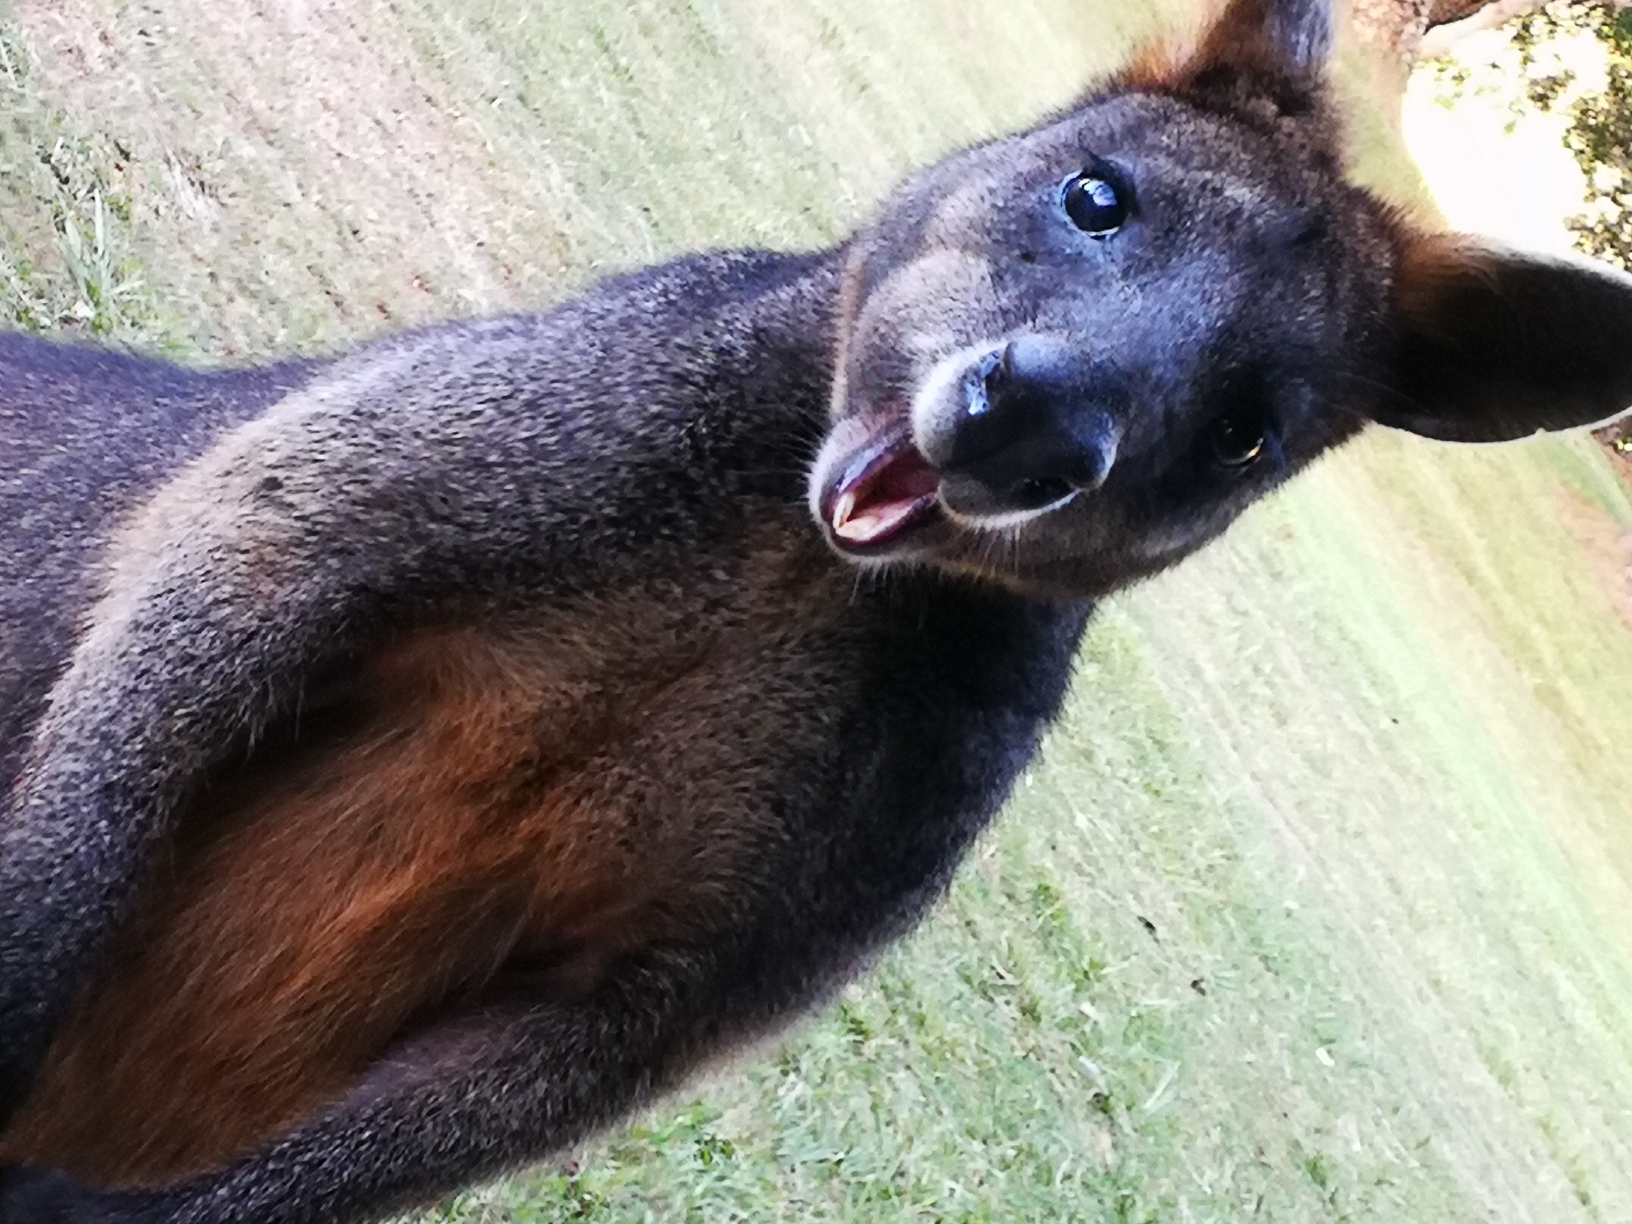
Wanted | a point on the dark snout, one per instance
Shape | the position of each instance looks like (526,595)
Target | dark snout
(1035,425)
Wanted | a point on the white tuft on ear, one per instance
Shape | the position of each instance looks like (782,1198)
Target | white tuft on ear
(1302,32)
(1288,37)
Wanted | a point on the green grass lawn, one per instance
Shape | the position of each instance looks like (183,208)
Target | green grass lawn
(1316,906)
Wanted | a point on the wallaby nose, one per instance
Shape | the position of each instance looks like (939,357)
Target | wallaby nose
(1038,425)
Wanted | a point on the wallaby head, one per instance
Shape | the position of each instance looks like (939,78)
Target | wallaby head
(1070,357)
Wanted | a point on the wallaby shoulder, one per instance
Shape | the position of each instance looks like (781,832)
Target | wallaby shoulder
(85,435)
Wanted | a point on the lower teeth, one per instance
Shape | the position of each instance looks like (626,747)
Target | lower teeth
(842,511)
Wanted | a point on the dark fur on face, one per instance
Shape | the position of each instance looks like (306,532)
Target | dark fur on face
(1243,292)
(420,760)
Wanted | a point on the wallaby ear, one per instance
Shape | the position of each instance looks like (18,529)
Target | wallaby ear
(1289,38)
(1253,49)
(1494,344)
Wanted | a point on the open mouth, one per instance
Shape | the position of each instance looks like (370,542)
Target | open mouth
(883,491)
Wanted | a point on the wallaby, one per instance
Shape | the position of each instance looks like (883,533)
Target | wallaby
(425,757)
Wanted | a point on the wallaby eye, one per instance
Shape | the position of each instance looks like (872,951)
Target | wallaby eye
(1094,203)
(1237,439)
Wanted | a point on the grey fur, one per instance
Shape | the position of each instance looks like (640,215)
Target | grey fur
(658,445)
(1304,31)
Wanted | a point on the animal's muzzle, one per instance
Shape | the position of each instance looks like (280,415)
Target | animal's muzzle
(1037,425)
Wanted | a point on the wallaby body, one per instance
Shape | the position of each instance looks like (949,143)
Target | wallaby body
(535,777)
(516,792)
(425,757)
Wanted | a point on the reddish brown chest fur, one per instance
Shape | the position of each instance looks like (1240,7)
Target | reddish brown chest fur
(505,797)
